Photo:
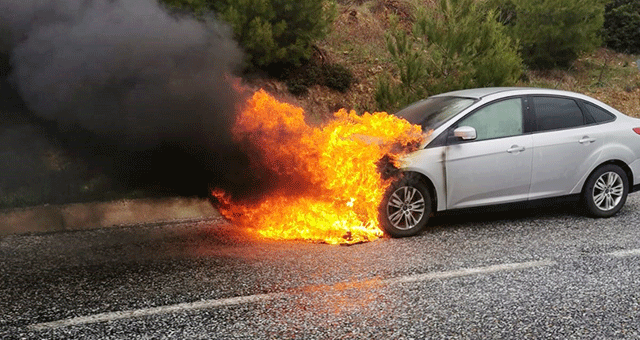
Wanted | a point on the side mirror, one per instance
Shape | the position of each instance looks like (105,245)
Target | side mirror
(465,132)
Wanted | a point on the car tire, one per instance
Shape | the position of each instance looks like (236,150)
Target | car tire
(605,191)
(406,207)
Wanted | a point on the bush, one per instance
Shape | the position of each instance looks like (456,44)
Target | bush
(270,31)
(337,77)
(452,46)
(622,26)
(553,33)
(505,9)
(276,31)
(297,87)
(333,76)
(197,6)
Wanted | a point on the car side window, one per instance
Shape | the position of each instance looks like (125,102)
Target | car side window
(598,114)
(553,113)
(501,119)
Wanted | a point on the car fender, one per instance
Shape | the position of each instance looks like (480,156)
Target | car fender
(609,153)
(429,163)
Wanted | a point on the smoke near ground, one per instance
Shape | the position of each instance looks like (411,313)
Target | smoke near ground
(138,93)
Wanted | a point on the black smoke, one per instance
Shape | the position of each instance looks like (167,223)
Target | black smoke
(139,93)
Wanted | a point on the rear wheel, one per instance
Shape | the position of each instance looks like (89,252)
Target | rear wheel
(406,208)
(606,191)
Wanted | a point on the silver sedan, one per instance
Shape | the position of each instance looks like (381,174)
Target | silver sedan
(501,146)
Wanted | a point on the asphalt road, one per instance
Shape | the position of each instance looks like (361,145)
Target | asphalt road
(534,274)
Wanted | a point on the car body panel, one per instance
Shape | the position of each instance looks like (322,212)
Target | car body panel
(562,158)
(471,171)
(635,169)
(616,149)
(464,175)
(429,163)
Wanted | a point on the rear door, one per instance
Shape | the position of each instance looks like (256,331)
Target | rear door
(496,166)
(566,145)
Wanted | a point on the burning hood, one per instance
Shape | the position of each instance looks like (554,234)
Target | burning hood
(326,183)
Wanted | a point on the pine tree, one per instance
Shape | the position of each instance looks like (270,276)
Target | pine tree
(622,25)
(553,33)
(452,46)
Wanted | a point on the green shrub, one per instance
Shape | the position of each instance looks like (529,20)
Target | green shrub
(334,76)
(553,33)
(270,31)
(505,10)
(337,77)
(297,87)
(452,46)
(622,25)
(197,6)
(276,31)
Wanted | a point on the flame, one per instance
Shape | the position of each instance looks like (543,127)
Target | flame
(327,187)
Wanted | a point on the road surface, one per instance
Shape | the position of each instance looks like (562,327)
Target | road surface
(530,274)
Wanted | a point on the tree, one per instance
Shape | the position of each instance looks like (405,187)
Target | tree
(270,31)
(622,25)
(453,45)
(553,33)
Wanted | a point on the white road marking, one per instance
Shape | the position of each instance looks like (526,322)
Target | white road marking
(625,253)
(470,271)
(103,317)
(204,304)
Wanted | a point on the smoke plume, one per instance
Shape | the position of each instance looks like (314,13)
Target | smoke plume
(139,93)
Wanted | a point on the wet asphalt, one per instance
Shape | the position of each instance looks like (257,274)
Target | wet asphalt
(208,280)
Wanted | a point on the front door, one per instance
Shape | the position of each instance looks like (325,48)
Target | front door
(495,167)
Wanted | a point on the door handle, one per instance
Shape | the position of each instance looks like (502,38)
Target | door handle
(515,149)
(587,140)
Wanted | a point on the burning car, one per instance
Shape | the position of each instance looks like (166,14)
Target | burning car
(319,182)
(497,146)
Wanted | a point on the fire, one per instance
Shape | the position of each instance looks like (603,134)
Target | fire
(326,186)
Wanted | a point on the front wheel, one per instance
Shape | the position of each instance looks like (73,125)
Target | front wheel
(606,191)
(405,208)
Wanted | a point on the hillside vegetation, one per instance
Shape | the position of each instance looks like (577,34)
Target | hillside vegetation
(368,55)
(359,37)
(373,55)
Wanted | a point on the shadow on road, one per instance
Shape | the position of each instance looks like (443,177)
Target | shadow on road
(465,217)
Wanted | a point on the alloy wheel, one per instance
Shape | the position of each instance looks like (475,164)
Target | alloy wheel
(608,191)
(405,207)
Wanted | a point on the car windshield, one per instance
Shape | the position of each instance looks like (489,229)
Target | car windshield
(432,112)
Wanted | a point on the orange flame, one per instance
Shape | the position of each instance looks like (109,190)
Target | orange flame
(328,187)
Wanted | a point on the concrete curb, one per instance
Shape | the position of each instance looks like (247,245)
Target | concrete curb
(84,216)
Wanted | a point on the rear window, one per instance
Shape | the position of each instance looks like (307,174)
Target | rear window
(599,115)
(553,113)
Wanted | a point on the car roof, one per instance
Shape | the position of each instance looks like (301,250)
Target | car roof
(479,93)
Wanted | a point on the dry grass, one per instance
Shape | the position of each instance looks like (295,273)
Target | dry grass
(358,42)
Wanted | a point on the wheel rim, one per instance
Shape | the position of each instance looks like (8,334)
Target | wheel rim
(405,208)
(608,191)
